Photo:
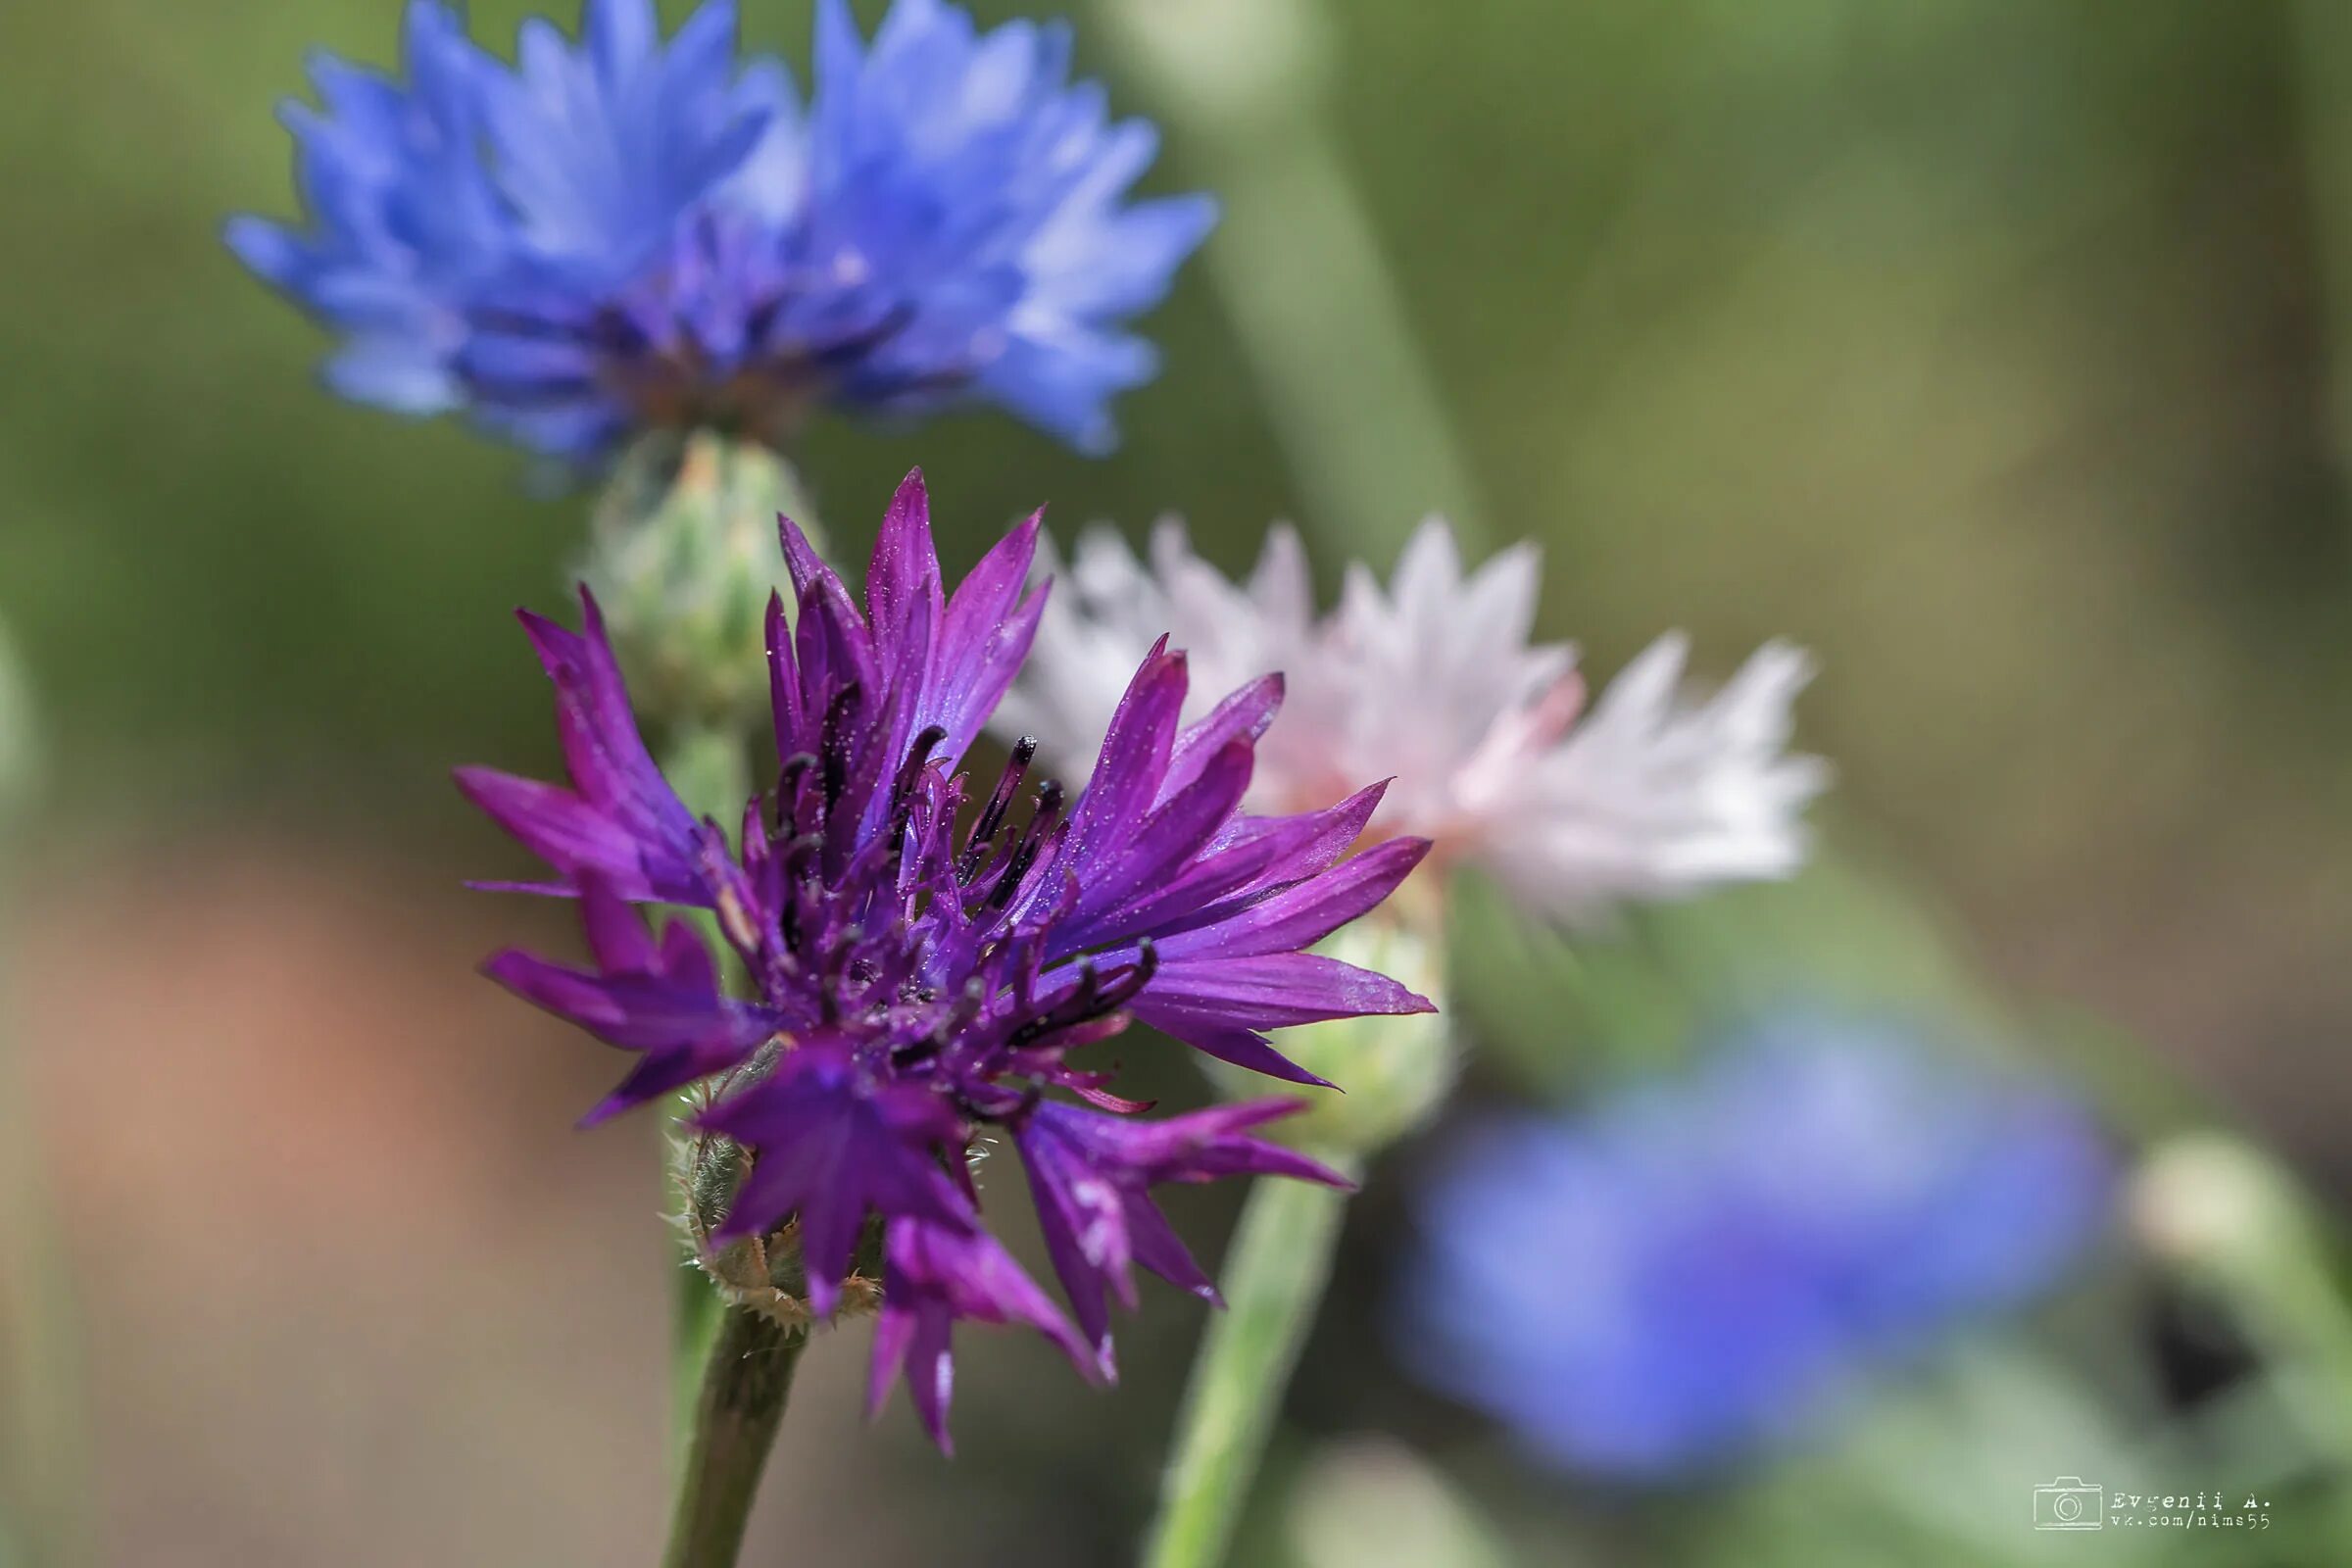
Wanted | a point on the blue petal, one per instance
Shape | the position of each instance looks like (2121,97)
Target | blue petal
(393,374)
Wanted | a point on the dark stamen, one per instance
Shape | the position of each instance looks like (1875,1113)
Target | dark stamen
(902,789)
(1131,979)
(788,788)
(1090,999)
(916,756)
(838,964)
(1080,1003)
(923,1049)
(991,816)
(1009,883)
(1048,806)
(1041,822)
(799,862)
(833,745)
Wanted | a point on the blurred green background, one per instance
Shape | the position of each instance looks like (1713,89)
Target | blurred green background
(2000,351)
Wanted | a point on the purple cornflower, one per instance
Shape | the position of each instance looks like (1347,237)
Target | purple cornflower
(916,981)
(626,233)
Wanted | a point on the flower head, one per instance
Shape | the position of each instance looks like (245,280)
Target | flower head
(917,981)
(1705,1264)
(623,233)
(1650,793)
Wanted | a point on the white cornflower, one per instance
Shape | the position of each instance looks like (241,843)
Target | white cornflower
(1654,792)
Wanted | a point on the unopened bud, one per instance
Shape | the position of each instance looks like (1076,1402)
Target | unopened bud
(2233,1223)
(1392,1070)
(2210,1204)
(683,556)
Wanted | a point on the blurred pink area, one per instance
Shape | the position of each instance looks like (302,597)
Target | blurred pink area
(349,1287)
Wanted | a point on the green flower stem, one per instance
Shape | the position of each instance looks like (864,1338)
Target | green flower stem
(736,1415)
(683,556)
(1242,89)
(1274,1279)
(45,1454)
(2322,52)
(693,1327)
(44,1438)
(710,771)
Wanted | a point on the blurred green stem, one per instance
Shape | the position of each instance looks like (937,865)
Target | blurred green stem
(746,1382)
(1300,269)
(1302,274)
(682,555)
(2320,31)
(711,769)
(43,1442)
(45,1470)
(1274,1279)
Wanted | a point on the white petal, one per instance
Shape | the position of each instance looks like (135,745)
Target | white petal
(1431,679)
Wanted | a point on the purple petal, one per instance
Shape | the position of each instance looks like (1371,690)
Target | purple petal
(1092,1175)
(783,679)
(620,820)
(1204,1144)
(1302,915)
(617,934)
(933,1277)
(984,638)
(1133,759)
(1175,832)
(1243,716)
(1279,989)
(1158,1248)
(801,559)
(1250,859)
(602,749)
(1083,1223)
(835,649)
(828,1147)
(637,1012)
(576,839)
(1313,841)
(672,1010)
(903,596)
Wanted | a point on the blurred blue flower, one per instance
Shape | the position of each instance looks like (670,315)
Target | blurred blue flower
(1704,1265)
(622,233)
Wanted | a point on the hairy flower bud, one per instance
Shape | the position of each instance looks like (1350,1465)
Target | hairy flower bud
(1397,1069)
(682,556)
(762,1274)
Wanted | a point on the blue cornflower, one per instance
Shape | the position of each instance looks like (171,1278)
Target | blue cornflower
(623,233)
(921,974)
(1705,1264)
